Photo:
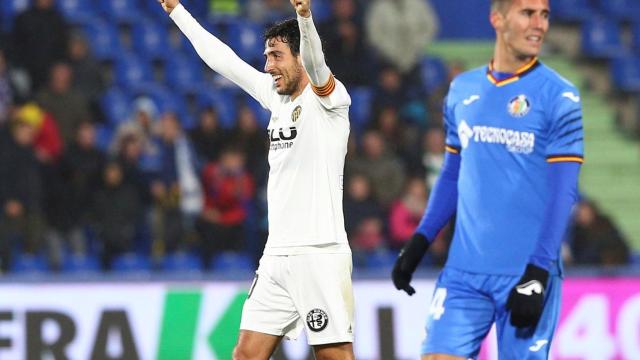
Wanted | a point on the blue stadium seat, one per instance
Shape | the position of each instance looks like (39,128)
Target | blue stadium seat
(29,263)
(121,11)
(222,101)
(625,10)
(116,106)
(181,261)
(77,11)
(245,38)
(133,72)
(321,10)
(262,115)
(434,73)
(150,39)
(183,73)
(104,136)
(80,263)
(131,262)
(360,110)
(572,10)
(103,39)
(9,9)
(601,38)
(232,262)
(381,259)
(625,73)
(635,36)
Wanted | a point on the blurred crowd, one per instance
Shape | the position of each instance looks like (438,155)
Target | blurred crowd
(159,185)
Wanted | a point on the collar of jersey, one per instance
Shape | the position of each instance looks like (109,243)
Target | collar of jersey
(522,71)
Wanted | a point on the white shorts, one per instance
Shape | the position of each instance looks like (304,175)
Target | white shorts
(313,291)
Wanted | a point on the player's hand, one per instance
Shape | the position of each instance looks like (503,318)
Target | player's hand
(526,300)
(408,261)
(303,7)
(168,5)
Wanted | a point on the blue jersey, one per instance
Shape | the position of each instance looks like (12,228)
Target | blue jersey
(506,133)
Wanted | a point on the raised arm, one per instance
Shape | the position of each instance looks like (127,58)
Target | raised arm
(217,55)
(311,48)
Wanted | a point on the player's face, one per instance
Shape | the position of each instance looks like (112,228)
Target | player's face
(285,68)
(523,26)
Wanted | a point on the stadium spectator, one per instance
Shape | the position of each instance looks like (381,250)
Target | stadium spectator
(68,107)
(401,136)
(21,191)
(363,216)
(595,239)
(70,189)
(116,213)
(47,143)
(406,212)
(40,37)
(228,189)
(382,168)
(400,30)
(267,11)
(6,90)
(176,190)
(208,137)
(250,138)
(346,45)
(88,76)
(432,154)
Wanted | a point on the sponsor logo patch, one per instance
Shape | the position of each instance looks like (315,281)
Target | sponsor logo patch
(317,320)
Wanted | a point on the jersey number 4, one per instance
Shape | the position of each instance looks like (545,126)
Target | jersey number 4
(437,303)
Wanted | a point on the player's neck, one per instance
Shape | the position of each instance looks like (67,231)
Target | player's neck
(304,80)
(506,62)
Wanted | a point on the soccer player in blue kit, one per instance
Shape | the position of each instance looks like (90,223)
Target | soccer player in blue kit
(514,148)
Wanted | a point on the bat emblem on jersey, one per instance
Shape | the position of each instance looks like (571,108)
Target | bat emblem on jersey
(530,287)
(571,96)
(295,114)
(471,99)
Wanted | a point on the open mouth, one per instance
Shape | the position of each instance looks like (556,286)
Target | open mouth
(277,79)
(536,39)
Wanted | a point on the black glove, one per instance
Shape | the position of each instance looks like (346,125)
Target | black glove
(526,300)
(407,261)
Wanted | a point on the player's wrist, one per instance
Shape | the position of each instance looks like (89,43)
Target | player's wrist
(534,272)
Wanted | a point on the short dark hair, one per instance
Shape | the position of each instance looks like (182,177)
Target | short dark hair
(500,5)
(286,31)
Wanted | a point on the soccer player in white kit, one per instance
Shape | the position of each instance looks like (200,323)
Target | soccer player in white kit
(304,276)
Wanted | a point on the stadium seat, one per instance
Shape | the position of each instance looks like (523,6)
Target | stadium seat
(9,9)
(572,10)
(625,73)
(321,10)
(433,71)
(635,36)
(116,106)
(601,39)
(77,11)
(103,39)
(183,73)
(381,259)
(29,263)
(149,39)
(181,261)
(133,72)
(131,262)
(104,135)
(80,263)
(232,262)
(245,38)
(222,101)
(262,115)
(360,110)
(624,10)
(121,11)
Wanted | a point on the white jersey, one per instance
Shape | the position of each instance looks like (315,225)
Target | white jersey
(308,143)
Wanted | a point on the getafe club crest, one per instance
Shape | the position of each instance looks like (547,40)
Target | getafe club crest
(519,106)
(296,113)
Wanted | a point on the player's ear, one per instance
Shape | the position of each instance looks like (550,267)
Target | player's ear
(497,19)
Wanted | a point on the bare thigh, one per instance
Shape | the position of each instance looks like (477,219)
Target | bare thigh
(338,351)
(253,345)
(441,357)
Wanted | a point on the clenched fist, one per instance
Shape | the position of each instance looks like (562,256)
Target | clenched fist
(303,7)
(168,5)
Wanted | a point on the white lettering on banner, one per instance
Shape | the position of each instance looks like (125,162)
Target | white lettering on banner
(629,325)
(584,333)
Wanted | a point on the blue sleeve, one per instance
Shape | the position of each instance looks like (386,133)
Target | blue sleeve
(443,198)
(563,193)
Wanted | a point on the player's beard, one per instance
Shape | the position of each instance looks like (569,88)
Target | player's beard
(291,83)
